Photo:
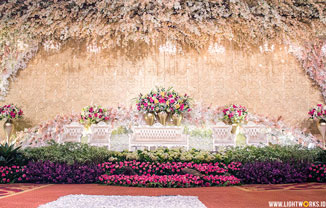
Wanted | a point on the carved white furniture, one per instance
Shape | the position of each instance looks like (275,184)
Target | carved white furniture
(72,133)
(222,135)
(100,136)
(254,134)
(158,136)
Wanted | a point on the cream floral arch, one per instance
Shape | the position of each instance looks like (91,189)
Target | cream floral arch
(27,25)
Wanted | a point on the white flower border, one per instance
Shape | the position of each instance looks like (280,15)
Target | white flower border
(201,117)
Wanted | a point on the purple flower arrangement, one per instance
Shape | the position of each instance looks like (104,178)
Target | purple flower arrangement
(317,172)
(273,173)
(48,172)
(11,174)
(171,181)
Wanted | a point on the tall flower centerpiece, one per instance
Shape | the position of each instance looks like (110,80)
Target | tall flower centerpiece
(162,102)
(318,114)
(10,113)
(235,115)
(93,114)
(146,103)
(179,105)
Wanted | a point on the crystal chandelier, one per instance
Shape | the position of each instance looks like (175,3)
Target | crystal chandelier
(168,48)
(216,49)
(51,45)
(93,48)
(266,48)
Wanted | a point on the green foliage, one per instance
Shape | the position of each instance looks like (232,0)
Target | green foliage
(68,153)
(10,155)
(170,155)
(199,132)
(82,153)
(274,153)
(120,130)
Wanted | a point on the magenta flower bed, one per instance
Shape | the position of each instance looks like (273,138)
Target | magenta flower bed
(11,174)
(156,168)
(171,181)
(155,174)
(317,172)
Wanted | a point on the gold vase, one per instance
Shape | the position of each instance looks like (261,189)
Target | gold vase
(149,118)
(177,118)
(321,125)
(162,116)
(8,127)
(235,128)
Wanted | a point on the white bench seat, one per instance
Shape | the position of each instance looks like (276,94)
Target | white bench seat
(158,136)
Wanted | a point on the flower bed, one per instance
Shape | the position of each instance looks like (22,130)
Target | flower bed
(273,173)
(171,181)
(165,174)
(116,168)
(76,163)
(11,174)
(48,172)
(317,172)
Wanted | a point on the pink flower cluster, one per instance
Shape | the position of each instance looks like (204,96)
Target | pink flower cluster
(10,112)
(168,168)
(175,181)
(9,174)
(163,100)
(318,112)
(94,114)
(235,114)
(317,173)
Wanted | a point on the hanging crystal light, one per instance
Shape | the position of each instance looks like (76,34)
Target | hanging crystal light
(169,48)
(266,48)
(216,48)
(93,48)
(323,50)
(51,45)
(296,50)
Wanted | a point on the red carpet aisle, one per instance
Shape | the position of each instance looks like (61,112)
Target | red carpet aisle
(212,197)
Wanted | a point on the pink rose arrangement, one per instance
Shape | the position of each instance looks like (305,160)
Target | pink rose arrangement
(318,113)
(163,99)
(93,114)
(235,114)
(10,112)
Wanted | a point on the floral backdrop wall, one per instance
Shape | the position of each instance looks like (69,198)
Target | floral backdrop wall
(297,24)
(153,36)
(65,82)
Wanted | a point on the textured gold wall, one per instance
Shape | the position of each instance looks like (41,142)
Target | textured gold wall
(64,82)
